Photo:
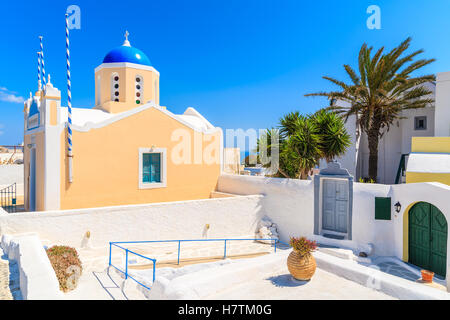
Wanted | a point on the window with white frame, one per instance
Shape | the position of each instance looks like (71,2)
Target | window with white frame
(152,168)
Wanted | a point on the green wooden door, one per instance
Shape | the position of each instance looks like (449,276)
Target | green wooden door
(428,238)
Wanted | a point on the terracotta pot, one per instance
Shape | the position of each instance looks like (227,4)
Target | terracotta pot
(427,276)
(301,268)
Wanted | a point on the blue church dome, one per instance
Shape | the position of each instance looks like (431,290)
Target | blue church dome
(126,53)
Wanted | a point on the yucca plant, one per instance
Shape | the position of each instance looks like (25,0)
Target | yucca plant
(303,141)
(334,139)
(378,93)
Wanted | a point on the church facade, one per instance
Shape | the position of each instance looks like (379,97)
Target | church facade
(127,149)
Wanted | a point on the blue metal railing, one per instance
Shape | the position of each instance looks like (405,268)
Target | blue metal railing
(128,251)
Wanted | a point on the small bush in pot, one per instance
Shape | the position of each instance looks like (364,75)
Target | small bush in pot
(301,263)
(67,266)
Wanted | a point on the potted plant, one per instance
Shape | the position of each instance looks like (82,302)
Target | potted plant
(427,276)
(301,263)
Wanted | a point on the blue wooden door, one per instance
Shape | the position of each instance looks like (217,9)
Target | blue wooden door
(335,205)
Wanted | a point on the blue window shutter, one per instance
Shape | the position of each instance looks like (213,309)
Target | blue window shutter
(146,164)
(151,171)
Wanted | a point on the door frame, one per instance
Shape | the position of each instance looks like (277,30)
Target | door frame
(407,228)
(32,180)
(333,171)
(321,198)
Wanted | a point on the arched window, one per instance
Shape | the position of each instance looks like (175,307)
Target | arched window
(138,89)
(115,87)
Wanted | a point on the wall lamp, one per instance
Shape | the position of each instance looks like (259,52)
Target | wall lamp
(398,207)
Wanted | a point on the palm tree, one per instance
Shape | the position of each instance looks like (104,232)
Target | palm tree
(380,92)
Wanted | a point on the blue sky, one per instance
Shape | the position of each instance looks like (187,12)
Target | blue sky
(241,63)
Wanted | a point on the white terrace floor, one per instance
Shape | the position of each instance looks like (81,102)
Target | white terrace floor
(281,285)
(96,283)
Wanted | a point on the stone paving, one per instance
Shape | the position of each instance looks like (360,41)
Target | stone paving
(5,292)
(9,279)
(409,272)
(397,270)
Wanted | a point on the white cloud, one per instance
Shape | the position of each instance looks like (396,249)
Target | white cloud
(10,96)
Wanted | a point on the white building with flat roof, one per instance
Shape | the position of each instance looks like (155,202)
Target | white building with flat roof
(395,144)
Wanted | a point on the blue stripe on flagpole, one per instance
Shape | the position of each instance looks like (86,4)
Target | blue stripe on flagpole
(69,102)
(44,81)
(39,66)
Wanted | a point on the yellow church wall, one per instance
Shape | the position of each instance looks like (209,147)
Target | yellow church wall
(127,90)
(106,163)
(53,113)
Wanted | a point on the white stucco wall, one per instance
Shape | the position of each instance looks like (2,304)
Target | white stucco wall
(227,217)
(437,194)
(37,278)
(11,173)
(287,202)
(442,128)
(365,229)
(290,204)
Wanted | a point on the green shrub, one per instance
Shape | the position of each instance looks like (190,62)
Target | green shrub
(67,266)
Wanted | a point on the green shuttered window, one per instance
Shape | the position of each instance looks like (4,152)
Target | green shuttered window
(382,208)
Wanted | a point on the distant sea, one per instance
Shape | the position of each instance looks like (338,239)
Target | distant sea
(244,154)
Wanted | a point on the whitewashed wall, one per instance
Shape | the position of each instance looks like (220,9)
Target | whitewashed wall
(442,128)
(227,217)
(287,202)
(11,173)
(290,204)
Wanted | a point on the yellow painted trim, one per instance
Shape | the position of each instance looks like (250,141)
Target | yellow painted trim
(430,144)
(52,98)
(406,232)
(53,113)
(413,177)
